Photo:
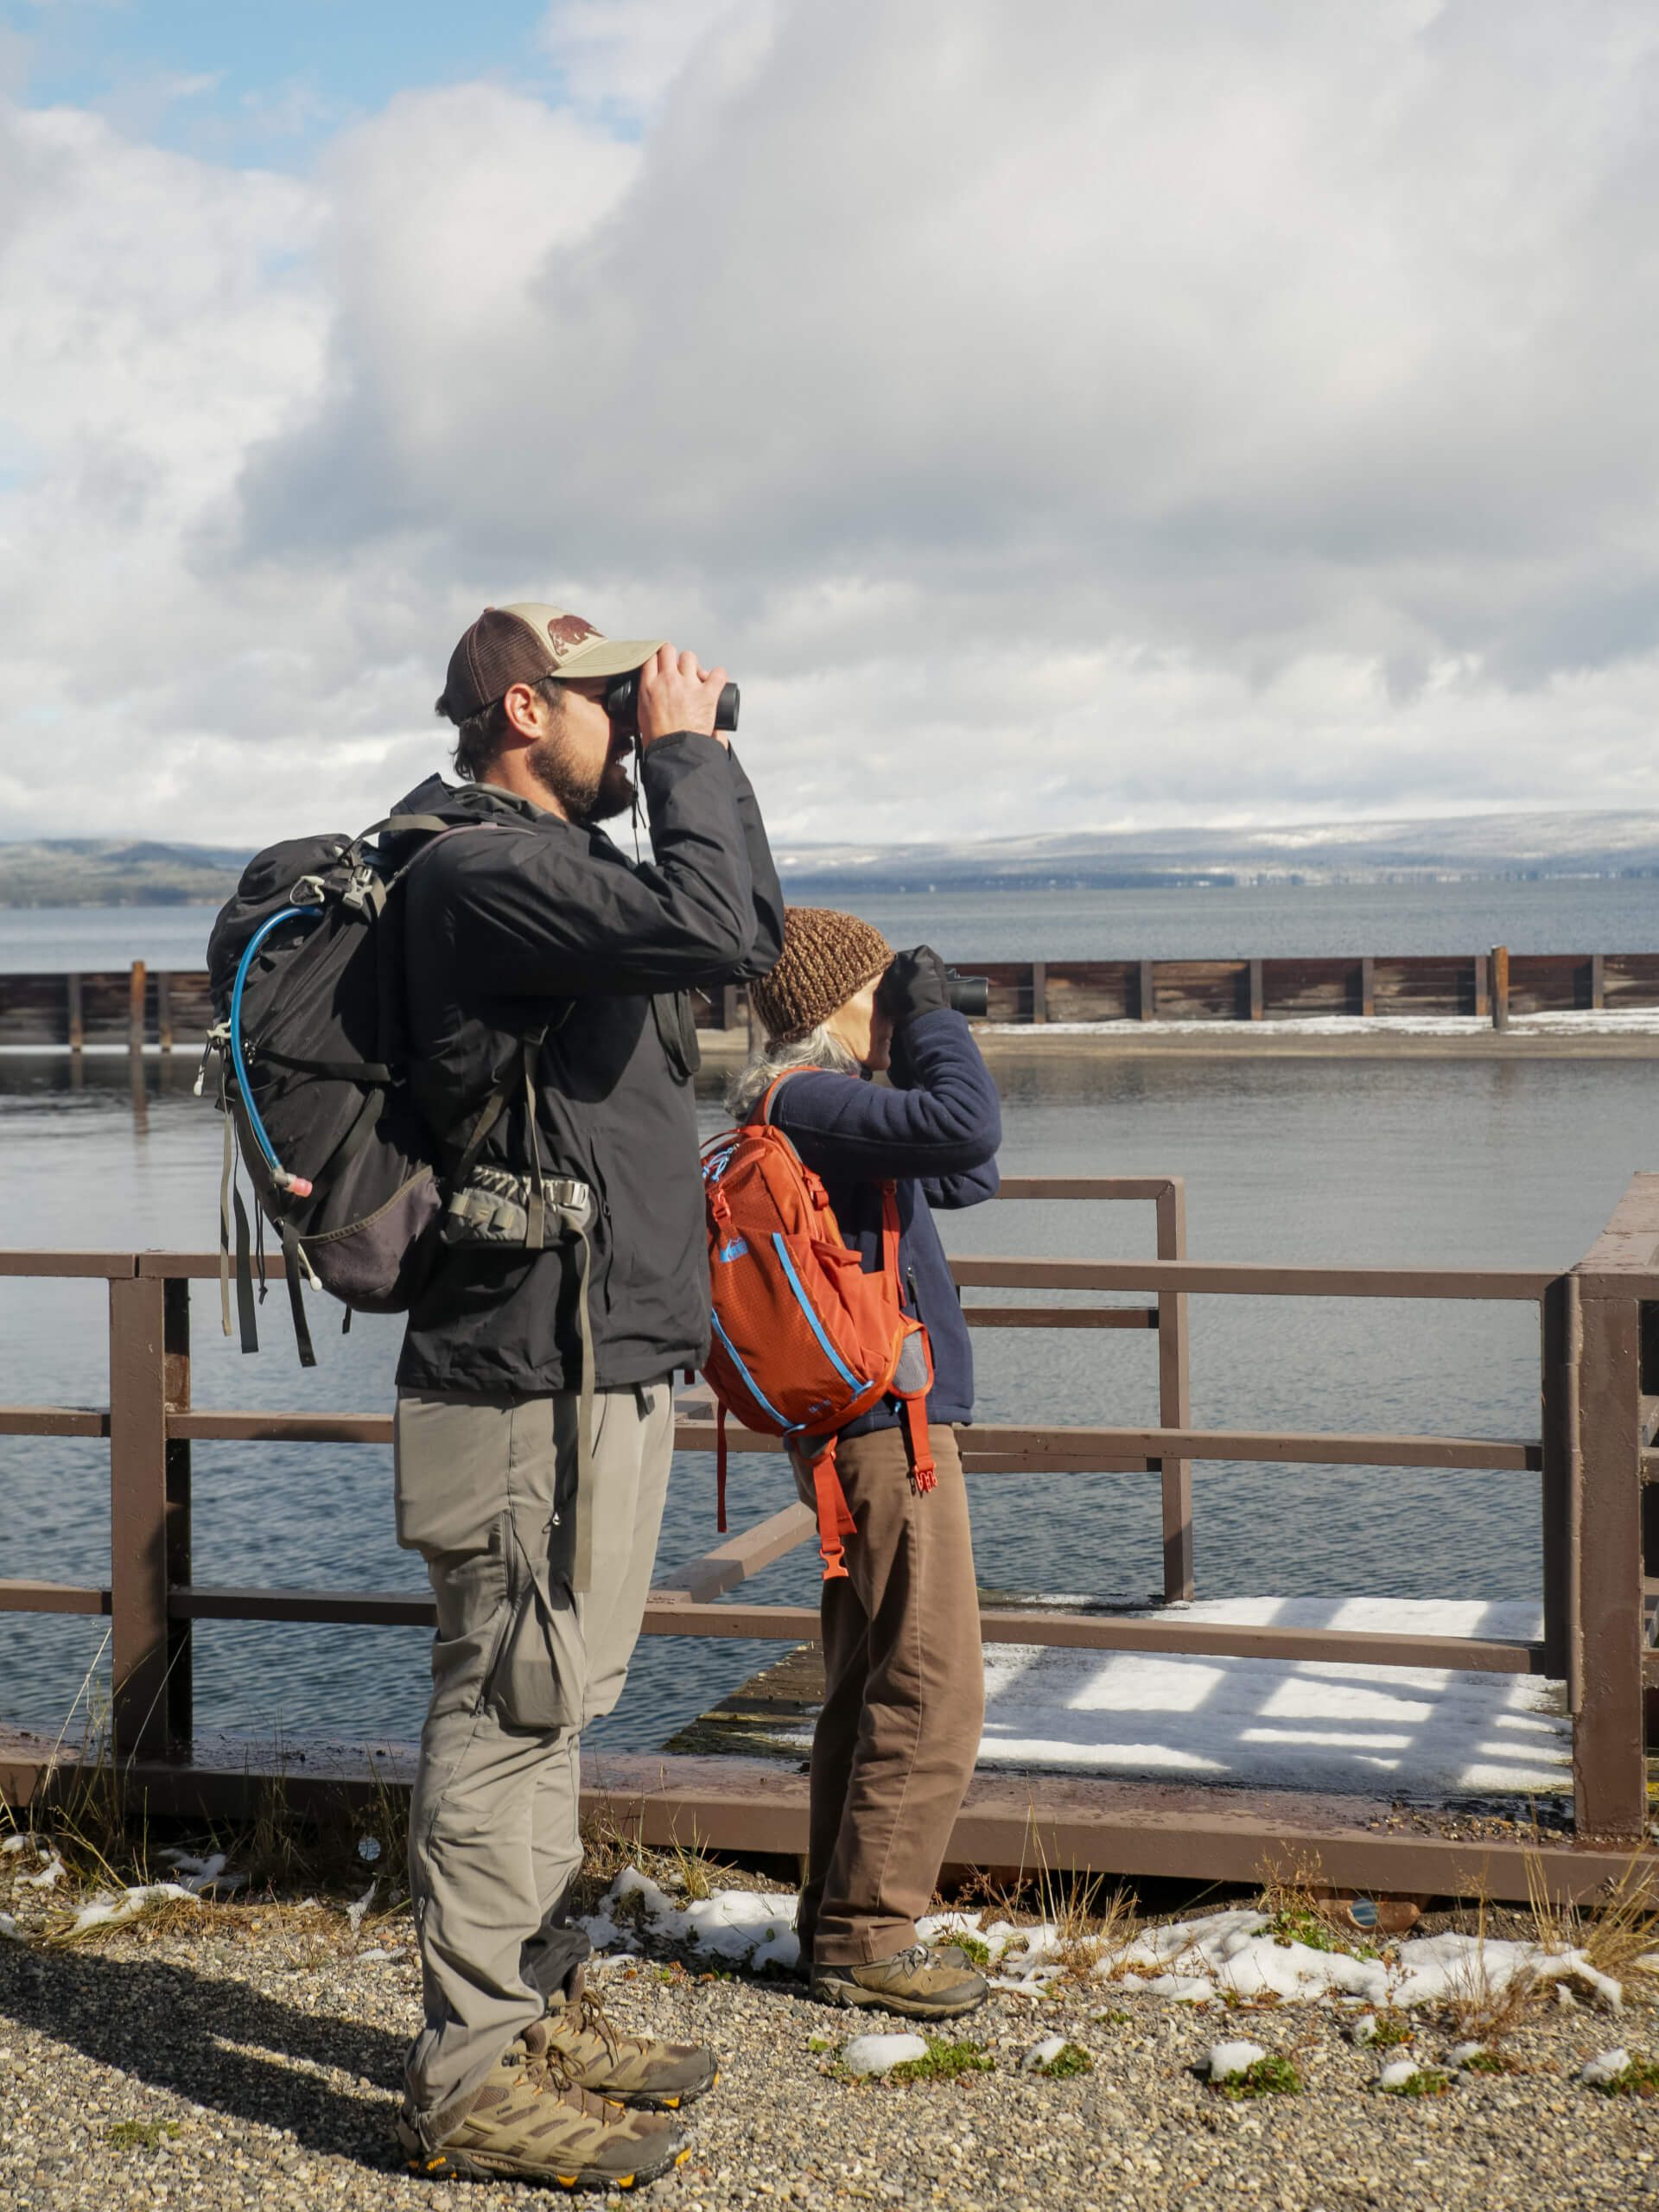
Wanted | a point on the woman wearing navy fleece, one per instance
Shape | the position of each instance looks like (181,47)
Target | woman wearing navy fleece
(905,1700)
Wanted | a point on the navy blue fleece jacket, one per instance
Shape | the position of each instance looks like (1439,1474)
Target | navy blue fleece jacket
(934,1135)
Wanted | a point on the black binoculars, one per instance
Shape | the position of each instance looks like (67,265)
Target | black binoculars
(968,995)
(622,705)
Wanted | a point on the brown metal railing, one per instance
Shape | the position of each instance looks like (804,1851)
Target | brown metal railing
(1599,1397)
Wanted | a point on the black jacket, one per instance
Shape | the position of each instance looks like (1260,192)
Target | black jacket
(934,1135)
(536,919)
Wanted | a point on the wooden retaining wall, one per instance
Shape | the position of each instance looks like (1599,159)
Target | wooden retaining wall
(126,1007)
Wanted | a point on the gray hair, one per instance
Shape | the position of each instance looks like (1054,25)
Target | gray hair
(769,1059)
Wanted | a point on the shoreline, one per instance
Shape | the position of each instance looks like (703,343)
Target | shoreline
(1259,1041)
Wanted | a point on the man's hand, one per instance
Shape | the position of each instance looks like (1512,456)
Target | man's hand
(675,695)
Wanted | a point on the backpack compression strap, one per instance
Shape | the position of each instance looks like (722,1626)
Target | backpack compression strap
(835,1519)
(914,1401)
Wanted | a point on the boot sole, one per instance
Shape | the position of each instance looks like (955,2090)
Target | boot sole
(444,2165)
(466,2165)
(853,1998)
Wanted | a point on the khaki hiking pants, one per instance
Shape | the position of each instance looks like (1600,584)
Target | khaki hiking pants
(486,1493)
(903,1701)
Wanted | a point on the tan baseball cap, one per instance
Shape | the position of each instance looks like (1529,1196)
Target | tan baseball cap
(521,645)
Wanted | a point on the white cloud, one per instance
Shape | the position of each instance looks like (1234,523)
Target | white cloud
(1122,411)
(620,57)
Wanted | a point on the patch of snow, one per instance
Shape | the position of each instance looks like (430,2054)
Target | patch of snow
(1312,1724)
(111,1912)
(880,2053)
(200,1874)
(9,1928)
(1460,2054)
(1598,2071)
(1187,1960)
(1228,2059)
(355,1912)
(364,1957)
(1397,2073)
(18,1842)
(49,1876)
(1043,2053)
(1641,1021)
(744,1926)
(1364,2028)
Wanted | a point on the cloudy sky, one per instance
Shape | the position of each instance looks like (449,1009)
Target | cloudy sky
(1080,415)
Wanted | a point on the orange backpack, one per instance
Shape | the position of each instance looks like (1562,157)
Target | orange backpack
(804,1340)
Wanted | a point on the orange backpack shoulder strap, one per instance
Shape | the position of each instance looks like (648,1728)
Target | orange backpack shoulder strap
(761,1110)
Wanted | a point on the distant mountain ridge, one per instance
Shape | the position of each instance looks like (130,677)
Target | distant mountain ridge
(111,872)
(1476,845)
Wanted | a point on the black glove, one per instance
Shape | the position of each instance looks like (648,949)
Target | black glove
(913,984)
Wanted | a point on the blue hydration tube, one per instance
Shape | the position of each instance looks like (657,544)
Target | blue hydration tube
(285,1180)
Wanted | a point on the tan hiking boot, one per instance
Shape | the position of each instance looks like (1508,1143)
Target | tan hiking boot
(528,2121)
(636,2071)
(922,1984)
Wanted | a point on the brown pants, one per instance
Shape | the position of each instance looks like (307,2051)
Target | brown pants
(904,1704)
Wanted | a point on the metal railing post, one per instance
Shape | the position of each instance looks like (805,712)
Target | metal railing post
(175,1392)
(1560,1347)
(1609,1760)
(138,1638)
(1174,1395)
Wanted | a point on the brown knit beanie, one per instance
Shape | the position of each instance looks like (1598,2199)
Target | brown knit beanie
(826,957)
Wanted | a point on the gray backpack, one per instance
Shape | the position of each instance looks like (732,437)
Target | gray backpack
(306,1055)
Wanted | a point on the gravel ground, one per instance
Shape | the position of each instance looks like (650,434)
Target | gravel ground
(261,2046)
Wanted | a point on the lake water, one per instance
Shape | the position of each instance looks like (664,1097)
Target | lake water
(1435,1163)
(1271,922)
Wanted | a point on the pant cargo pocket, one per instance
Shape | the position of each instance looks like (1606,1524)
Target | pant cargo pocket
(538,1679)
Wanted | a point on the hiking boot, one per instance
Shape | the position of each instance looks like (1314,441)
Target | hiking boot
(528,2121)
(922,1984)
(635,2070)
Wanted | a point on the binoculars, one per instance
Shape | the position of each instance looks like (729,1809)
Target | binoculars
(968,995)
(622,705)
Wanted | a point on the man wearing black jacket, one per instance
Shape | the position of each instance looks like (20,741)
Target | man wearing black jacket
(534,1425)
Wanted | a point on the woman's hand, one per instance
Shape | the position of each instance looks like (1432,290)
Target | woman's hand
(914,983)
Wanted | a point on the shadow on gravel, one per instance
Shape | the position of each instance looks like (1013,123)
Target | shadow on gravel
(218,2042)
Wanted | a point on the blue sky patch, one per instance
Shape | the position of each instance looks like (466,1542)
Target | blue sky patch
(261,85)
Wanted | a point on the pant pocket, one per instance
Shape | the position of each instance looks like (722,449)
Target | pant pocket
(538,1679)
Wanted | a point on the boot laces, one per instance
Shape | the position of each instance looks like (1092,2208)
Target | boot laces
(591,2015)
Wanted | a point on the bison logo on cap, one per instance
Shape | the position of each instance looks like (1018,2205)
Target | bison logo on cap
(567,633)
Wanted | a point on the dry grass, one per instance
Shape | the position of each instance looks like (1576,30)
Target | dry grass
(1620,1927)
(1481,2008)
(1088,1933)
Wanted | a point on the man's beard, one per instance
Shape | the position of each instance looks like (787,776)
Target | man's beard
(586,794)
